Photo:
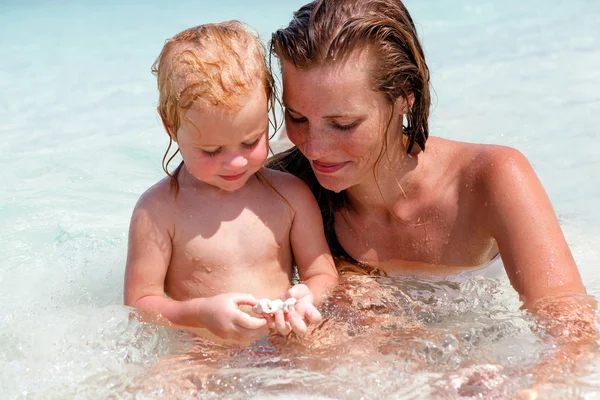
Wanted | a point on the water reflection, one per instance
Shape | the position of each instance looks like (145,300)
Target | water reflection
(381,337)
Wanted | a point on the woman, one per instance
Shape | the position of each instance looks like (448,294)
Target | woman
(356,97)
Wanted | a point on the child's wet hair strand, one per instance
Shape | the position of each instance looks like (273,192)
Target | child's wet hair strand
(209,65)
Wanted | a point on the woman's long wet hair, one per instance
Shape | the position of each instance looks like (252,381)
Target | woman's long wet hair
(327,31)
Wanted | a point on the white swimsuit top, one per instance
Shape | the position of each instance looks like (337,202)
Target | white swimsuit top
(491,269)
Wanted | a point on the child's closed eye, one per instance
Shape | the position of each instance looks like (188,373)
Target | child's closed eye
(251,144)
(212,153)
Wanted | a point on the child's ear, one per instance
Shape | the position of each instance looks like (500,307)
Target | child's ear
(167,125)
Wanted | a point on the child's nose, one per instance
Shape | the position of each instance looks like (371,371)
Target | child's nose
(237,162)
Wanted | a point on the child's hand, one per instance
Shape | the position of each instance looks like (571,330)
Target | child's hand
(221,315)
(304,314)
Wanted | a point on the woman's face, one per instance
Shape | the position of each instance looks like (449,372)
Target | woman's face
(337,120)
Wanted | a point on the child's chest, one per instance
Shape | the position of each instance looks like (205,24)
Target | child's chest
(214,233)
(231,248)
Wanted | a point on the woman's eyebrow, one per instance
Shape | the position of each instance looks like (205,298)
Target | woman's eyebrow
(356,116)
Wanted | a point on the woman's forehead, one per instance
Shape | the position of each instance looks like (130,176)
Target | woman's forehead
(357,63)
(346,83)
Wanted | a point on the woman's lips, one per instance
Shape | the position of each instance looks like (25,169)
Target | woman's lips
(232,177)
(327,168)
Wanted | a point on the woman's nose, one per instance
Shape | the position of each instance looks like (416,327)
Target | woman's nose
(316,144)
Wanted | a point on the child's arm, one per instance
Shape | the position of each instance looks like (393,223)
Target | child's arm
(148,257)
(315,264)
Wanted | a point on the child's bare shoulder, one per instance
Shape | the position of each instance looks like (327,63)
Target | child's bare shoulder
(289,186)
(156,200)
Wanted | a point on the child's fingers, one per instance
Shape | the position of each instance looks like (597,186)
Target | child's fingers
(312,315)
(242,334)
(297,323)
(281,325)
(245,299)
(249,322)
(270,320)
(297,291)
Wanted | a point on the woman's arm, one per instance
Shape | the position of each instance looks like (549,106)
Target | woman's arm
(520,217)
(536,256)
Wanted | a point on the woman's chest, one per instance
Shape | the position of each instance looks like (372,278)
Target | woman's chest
(447,236)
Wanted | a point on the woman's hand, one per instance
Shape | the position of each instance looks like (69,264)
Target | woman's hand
(221,315)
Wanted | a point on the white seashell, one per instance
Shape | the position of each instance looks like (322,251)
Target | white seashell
(266,306)
(288,305)
(276,305)
(262,307)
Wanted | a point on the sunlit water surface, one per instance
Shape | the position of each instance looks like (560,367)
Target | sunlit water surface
(81,142)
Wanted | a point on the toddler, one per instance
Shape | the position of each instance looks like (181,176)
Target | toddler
(222,231)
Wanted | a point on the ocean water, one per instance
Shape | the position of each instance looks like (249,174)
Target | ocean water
(81,142)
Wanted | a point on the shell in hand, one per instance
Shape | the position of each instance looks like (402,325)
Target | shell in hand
(266,306)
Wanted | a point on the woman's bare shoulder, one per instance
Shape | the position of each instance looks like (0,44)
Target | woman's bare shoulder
(480,162)
(496,166)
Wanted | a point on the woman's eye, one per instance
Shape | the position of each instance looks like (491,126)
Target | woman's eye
(213,152)
(252,144)
(296,120)
(344,127)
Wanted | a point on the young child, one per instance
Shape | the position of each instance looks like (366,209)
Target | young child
(222,231)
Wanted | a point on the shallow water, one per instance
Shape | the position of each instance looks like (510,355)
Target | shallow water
(82,142)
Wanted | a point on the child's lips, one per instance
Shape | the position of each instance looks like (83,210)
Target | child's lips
(327,168)
(232,177)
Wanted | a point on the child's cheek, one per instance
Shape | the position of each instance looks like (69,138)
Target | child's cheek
(205,167)
(211,164)
(258,155)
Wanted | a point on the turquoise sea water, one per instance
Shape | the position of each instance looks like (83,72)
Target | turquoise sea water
(81,141)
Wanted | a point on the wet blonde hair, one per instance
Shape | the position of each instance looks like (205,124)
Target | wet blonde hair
(208,65)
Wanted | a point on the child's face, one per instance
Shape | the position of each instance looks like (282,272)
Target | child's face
(225,148)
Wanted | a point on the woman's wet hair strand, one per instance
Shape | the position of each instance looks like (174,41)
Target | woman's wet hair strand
(326,31)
